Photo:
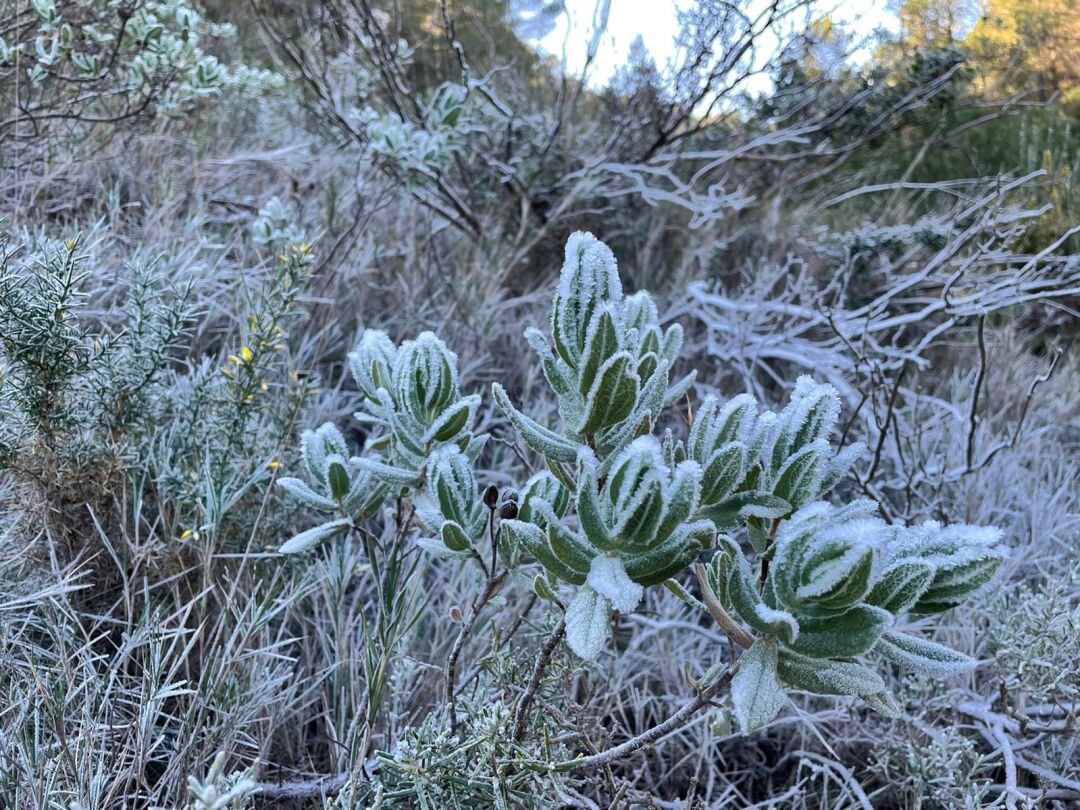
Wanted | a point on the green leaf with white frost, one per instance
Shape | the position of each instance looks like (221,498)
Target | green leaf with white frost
(305,494)
(389,473)
(312,537)
(923,656)
(612,395)
(902,584)
(556,372)
(798,480)
(827,677)
(601,343)
(588,621)
(543,588)
(728,513)
(534,541)
(337,476)
(454,537)
(677,390)
(849,634)
(671,556)
(724,470)
(453,420)
(438,548)
(756,692)
(743,592)
(546,442)
(570,549)
(883,703)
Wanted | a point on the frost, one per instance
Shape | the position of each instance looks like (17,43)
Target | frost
(608,577)
(756,692)
(372,360)
(587,622)
(924,656)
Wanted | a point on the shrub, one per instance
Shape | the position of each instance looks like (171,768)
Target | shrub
(619,510)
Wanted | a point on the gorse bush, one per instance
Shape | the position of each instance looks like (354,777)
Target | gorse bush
(811,592)
(75,393)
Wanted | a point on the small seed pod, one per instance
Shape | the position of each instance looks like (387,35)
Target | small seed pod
(510,494)
(491,496)
(508,511)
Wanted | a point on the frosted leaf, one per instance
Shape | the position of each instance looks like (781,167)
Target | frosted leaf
(425,377)
(756,692)
(639,464)
(587,623)
(452,484)
(828,575)
(589,278)
(841,464)
(305,494)
(312,537)
(544,441)
(924,656)
(608,577)
(372,360)
(455,419)
(639,311)
(828,677)
(589,269)
(316,445)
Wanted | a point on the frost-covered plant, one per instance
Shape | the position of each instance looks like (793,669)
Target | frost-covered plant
(610,366)
(277,223)
(101,61)
(74,390)
(417,416)
(221,791)
(620,509)
(838,587)
(634,533)
(413,149)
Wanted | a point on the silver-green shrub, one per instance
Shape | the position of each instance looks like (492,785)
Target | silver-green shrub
(812,591)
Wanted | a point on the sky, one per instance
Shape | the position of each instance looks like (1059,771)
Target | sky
(656,22)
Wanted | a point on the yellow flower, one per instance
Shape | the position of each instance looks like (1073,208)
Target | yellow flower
(186,534)
(275,465)
(234,359)
(71,244)
(246,354)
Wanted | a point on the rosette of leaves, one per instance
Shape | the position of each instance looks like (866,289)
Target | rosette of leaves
(336,484)
(413,404)
(609,361)
(635,531)
(765,467)
(450,507)
(838,585)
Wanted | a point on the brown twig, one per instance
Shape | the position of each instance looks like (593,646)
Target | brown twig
(522,712)
(716,610)
(677,720)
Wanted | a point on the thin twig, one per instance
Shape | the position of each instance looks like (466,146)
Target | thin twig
(716,610)
(676,721)
(522,713)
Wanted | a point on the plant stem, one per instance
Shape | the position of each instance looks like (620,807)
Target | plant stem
(716,610)
(481,599)
(489,590)
(310,789)
(677,720)
(522,713)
